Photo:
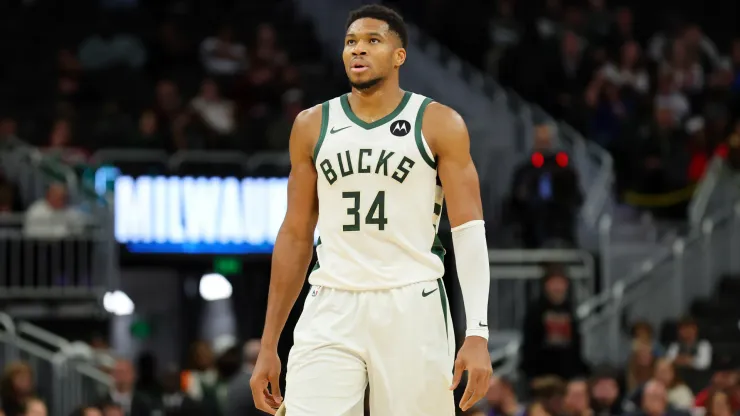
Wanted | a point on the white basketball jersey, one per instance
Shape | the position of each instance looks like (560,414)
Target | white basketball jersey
(380,199)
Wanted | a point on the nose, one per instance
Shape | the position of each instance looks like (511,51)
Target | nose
(359,49)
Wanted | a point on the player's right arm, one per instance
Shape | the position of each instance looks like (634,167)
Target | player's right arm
(291,256)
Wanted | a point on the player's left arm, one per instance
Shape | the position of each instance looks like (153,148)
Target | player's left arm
(448,138)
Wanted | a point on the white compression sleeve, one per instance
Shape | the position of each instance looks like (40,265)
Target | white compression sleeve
(474,272)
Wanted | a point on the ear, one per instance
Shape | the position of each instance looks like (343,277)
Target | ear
(399,57)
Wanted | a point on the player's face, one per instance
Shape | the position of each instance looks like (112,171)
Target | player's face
(371,53)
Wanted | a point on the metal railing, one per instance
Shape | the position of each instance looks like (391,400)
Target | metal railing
(663,284)
(719,188)
(63,383)
(516,280)
(58,266)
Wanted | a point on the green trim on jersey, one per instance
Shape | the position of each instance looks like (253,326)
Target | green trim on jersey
(316,266)
(324,125)
(443,298)
(364,124)
(438,249)
(417,135)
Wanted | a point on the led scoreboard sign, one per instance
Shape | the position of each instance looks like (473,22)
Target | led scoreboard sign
(198,215)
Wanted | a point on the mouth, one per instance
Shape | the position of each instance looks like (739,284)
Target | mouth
(358,67)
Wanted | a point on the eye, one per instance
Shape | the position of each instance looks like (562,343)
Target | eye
(374,40)
(351,42)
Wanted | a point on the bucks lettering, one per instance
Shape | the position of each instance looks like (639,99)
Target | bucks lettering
(365,161)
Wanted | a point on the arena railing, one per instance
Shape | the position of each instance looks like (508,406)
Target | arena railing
(516,282)
(663,285)
(32,171)
(79,266)
(718,188)
(64,383)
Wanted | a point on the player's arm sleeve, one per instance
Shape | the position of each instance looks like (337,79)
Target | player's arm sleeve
(473,270)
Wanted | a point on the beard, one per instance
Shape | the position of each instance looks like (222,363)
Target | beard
(366,85)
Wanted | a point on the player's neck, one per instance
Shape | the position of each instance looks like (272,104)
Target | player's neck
(377,102)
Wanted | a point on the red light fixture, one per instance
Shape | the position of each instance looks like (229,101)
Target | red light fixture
(561,159)
(538,160)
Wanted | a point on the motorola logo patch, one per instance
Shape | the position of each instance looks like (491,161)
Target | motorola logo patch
(400,128)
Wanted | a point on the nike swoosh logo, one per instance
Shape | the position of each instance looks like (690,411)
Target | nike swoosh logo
(334,130)
(424,293)
(480,324)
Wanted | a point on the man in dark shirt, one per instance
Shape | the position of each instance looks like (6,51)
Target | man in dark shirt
(551,339)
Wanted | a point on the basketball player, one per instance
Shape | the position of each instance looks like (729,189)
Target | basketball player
(370,167)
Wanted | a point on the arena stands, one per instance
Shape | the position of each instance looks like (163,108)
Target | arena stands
(92,89)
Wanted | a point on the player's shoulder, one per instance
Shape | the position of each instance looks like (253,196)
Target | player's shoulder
(442,122)
(307,128)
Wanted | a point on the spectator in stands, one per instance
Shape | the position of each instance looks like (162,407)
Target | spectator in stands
(733,142)
(114,409)
(551,337)
(545,194)
(52,217)
(202,379)
(107,49)
(16,388)
(35,407)
(148,135)
(87,411)
(501,399)
(719,404)
(568,74)
(278,133)
(213,116)
(8,127)
(547,394)
(690,351)
(174,402)
(642,333)
(725,378)
(222,55)
(239,400)
(679,394)
(123,393)
(169,108)
(147,382)
(171,51)
(640,366)
(69,75)
(6,199)
(654,401)
(688,74)
(605,393)
(577,401)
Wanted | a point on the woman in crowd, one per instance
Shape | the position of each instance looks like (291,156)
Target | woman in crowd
(16,388)
(679,394)
(640,367)
(719,404)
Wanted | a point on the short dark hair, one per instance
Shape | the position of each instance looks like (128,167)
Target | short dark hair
(379,12)
(547,387)
(687,320)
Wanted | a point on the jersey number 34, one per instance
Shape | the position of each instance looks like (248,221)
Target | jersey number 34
(375,215)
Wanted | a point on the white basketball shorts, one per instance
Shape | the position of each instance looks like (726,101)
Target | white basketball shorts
(400,341)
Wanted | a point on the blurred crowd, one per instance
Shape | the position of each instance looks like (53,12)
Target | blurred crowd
(679,377)
(215,383)
(171,75)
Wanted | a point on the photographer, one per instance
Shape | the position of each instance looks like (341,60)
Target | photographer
(545,194)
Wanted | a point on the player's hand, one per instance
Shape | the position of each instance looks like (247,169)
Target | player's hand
(473,357)
(266,373)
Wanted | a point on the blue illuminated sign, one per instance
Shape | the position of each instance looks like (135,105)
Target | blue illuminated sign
(189,215)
